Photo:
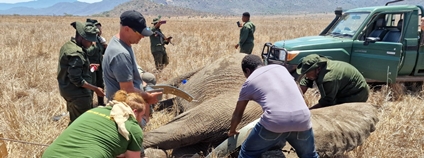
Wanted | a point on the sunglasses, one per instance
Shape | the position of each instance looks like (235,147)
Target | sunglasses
(138,33)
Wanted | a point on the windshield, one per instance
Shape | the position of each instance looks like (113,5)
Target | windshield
(347,25)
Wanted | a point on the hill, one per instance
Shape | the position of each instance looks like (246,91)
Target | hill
(63,7)
(255,7)
(148,7)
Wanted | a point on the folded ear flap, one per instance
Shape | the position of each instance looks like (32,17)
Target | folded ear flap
(74,24)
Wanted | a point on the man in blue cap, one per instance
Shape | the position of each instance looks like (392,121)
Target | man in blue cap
(120,71)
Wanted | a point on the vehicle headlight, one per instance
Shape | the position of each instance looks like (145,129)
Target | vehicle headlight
(292,54)
(282,55)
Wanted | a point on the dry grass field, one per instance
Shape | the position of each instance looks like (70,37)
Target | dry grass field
(29,48)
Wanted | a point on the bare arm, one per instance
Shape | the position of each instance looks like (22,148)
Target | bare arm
(304,89)
(132,154)
(99,91)
(237,116)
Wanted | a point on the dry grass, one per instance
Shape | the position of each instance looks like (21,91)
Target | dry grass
(30,97)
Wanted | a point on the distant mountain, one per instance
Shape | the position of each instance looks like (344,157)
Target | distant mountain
(33,4)
(255,7)
(67,7)
(148,7)
(271,7)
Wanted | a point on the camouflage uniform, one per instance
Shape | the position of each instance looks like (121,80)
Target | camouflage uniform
(157,46)
(73,71)
(246,37)
(338,82)
(95,55)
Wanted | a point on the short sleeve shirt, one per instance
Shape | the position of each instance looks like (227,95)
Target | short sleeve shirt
(275,90)
(119,65)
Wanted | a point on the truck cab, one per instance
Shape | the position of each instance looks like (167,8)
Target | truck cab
(385,43)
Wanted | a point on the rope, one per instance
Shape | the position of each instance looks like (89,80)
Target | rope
(23,142)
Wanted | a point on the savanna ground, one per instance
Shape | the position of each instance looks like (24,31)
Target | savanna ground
(29,48)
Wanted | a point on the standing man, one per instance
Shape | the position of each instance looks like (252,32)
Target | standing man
(73,74)
(95,54)
(338,82)
(286,116)
(157,44)
(246,41)
(119,65)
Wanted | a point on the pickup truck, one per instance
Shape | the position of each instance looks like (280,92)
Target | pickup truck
(385,43)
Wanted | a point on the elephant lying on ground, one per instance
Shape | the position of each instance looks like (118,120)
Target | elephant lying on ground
(204,123)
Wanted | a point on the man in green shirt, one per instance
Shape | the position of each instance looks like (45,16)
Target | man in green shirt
(95,55)
(246,41)
(157,44)
(73,73)
(338,82)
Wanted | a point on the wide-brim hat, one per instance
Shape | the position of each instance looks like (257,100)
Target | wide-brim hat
(135,20)
(156,20)
(310,63)
(86,30)
(94,21)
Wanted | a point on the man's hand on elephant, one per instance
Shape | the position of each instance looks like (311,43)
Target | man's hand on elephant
(237,45)
(232,133)
(152,98)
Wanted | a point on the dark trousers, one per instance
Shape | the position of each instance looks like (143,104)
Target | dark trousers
(246,48)
(161,59)
(77,106)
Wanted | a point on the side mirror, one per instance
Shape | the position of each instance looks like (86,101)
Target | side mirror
(369,40)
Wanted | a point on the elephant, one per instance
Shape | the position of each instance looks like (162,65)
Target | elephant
(203,123)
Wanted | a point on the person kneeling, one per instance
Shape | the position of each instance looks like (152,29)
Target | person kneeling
(105,131)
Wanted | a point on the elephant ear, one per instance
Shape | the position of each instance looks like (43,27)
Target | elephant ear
(342,128)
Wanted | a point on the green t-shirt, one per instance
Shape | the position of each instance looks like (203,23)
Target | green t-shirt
(95,135)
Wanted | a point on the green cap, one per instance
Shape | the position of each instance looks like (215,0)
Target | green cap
(87,31)
(310,62)
(93,21)
(156,20)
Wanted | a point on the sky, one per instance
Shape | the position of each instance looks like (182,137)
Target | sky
(17,1)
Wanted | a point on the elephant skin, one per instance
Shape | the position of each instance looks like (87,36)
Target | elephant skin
(204,123)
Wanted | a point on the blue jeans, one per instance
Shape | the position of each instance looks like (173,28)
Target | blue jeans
(261,139)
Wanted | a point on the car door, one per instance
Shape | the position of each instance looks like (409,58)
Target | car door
(379,60)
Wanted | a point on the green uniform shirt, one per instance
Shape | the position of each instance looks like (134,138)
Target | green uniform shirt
(73,70)
(95,135)
(95,52)
(157,42)
(339,82)
(246,34)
